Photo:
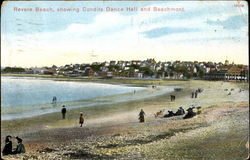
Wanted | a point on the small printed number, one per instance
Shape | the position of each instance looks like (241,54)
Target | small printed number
(238,5)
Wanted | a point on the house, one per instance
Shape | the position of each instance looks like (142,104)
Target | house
(210,69)
(89,72)
(127,63)
(151,61)
(226,62)
(157,68)
(228,72)
(106,64)
(103,68)
(61,71)
(49,72)
(235,73)
(144,64)
(126,68)
(106,74)
(112,63)
(96,63)
(121,64)
(138,74)
(29,71)
(173,75)
(195,70)
(37,70)
(136,62)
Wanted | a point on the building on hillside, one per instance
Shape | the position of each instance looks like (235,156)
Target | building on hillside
(89,72)
(228,72)
(226,62)
(112,63)
(136,62)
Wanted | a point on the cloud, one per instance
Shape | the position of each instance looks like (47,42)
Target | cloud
(233,22)
(159,32)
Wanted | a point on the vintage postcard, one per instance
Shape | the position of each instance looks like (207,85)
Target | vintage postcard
(127,80)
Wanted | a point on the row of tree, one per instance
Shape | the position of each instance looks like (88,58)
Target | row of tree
(13,70)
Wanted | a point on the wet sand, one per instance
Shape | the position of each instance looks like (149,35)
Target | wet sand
(113,132)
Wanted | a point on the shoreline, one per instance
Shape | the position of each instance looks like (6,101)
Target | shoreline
(119,80)
(99,101)
(91,112)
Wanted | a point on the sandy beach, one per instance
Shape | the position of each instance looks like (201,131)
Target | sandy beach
(112,131)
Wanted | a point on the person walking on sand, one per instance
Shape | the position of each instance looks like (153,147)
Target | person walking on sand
(192,94)
(20,147)
(81,119)
(195,94)
(63,112)
(141,116)
(54,99)
(8,146)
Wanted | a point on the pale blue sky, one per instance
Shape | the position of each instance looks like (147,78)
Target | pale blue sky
(204,31)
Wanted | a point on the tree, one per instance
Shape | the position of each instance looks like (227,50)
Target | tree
(147,71)
(114,67)
(96,67)
(135,66)
(13,70)
(54,66)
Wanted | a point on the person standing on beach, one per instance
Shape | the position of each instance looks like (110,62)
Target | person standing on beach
(54,99)
(141,116)
(195,94)
(63,112)
(81,119)
(192,94)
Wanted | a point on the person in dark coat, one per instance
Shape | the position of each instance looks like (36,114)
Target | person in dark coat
(81,119)
(54,99)
(180,111)
(170,114)
(141,116)
(8,146)
(200,90)
(20,147)
(195,94)
(63,112)
(192,94)
(190,113)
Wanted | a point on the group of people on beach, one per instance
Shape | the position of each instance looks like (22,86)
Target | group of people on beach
(190,113)
(8,146)
(64,110)
(231,90)
(180,111)
(194,94)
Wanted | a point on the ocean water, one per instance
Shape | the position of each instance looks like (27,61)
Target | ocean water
(23,97)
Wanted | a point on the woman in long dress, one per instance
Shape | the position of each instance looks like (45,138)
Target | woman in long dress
(141,116)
